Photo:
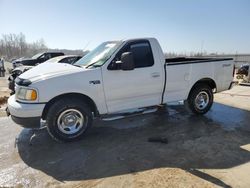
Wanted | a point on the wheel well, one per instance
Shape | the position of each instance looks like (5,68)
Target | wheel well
(210,82)
(82,97)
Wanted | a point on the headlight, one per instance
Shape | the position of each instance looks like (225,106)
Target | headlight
(27,94)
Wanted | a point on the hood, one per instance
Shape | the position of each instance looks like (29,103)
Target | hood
(17,60)
(22,68)
(31,62)
(49,70)
(26,61)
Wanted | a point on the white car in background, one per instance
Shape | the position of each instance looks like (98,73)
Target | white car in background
(68,59)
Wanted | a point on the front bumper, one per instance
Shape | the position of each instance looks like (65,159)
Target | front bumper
(26,115)
(30,122)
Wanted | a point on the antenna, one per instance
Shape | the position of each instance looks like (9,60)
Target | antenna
(84,49)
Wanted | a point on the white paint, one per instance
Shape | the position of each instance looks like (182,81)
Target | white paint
(121,90)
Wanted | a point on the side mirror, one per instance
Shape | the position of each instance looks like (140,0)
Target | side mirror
(127,61)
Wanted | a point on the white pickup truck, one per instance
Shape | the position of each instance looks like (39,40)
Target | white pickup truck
(115,76)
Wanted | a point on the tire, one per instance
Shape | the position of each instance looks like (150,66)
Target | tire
(200,99)
(68,119)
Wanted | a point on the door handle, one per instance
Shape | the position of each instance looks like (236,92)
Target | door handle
(155,74)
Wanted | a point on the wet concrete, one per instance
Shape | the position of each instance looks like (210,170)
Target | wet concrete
(230,118)
(117,153)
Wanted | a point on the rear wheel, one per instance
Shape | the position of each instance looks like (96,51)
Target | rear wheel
(200,99)
(68,119)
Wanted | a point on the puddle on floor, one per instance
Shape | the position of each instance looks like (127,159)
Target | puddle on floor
(229,117)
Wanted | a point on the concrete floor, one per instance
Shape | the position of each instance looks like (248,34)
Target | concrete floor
(203,151)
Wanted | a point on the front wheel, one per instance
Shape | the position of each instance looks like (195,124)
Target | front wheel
(68,119)
(200,99)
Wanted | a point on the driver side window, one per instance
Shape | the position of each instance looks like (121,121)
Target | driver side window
(45,57)
(42,57)
(142,53)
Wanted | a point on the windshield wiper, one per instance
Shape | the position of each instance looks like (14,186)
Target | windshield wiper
(92,64)
(77,65)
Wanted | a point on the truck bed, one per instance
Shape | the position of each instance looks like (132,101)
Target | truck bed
(185,60)
(180,78)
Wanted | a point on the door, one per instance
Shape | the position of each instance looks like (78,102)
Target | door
(134,88)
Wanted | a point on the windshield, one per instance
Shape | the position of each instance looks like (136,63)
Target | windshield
(99,55)
(36,56)
(54,60)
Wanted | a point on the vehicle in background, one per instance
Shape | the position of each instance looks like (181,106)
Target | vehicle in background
(15,64)
(69,59)
(14,74)
(13,59)
(36,59)
(2,68)
(242,71)
(115,77)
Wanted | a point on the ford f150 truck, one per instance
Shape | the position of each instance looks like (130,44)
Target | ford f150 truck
(115,76)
